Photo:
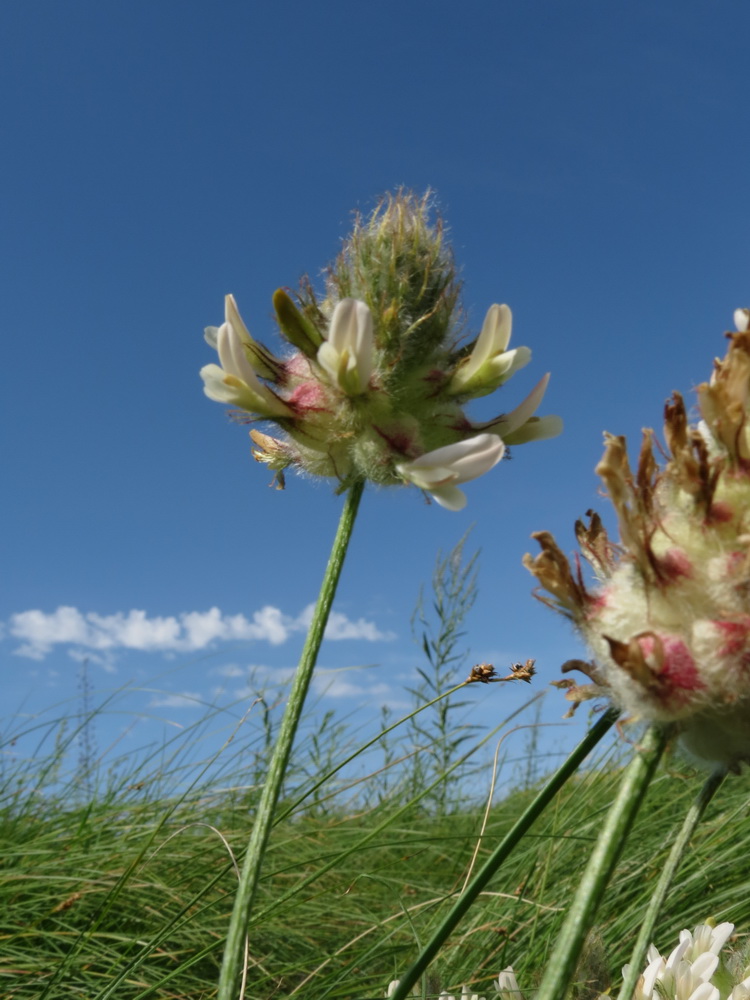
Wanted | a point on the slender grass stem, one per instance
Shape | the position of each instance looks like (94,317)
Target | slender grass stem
(235,946)
(645,935)
(501,852)
(562,962)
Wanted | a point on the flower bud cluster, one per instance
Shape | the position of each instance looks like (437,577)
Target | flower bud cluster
(669,618)
(376,382)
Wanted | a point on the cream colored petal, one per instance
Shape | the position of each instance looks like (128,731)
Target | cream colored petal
(493,338)
(232,356)
(463,460)
(536,429)
(347,353)
(232,316)
(509,362)
(213,383)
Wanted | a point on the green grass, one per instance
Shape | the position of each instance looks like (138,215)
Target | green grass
(118,873)
(127,893)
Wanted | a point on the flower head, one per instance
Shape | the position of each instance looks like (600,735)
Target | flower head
(669,618)
(688,971)
(376,382)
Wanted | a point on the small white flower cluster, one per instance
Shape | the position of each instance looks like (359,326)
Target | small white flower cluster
(466,994)
(688,971)
(505,985)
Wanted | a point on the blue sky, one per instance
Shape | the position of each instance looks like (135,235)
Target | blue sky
(589,159)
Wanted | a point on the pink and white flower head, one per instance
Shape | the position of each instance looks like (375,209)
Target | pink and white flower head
(668,620)
(377,381)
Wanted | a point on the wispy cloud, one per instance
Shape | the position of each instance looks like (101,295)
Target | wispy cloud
(335,685)
(39,631)
(185,699)
(342,682)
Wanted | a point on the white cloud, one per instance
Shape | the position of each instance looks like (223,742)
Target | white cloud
(341,627)
(104,660)
(39,632)
(340,687)
(185,699)
(230,670)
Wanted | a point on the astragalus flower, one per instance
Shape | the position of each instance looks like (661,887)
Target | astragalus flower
(346,353)
(376,384)
(490,364)
(440,472)
(466,994)
(669,618)
(507,985)
(691,971)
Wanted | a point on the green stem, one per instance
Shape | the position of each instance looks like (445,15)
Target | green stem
(503,849)
(564,958)
(234,950)
(645,936)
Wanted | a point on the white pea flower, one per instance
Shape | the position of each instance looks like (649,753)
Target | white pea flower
(440,472)
(490,364)
(520,425)
(347,352)
(392,987)
(688,971)
(466,994)
(507,985)
(706,938)
(236,382)
(741,991)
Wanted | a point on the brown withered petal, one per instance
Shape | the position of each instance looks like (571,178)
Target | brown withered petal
(589,669)
(629,656)
(595,543)
(552,570)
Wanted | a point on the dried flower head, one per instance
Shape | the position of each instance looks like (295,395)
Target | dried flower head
(669,619)
(376,385)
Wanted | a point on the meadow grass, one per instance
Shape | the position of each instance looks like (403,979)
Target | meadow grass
(126,892)
(118,874)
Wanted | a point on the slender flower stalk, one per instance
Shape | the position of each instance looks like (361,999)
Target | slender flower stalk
(669,870)
(562,962)
(503,851)
(234,951)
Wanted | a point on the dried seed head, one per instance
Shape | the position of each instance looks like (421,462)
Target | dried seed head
(669,617)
